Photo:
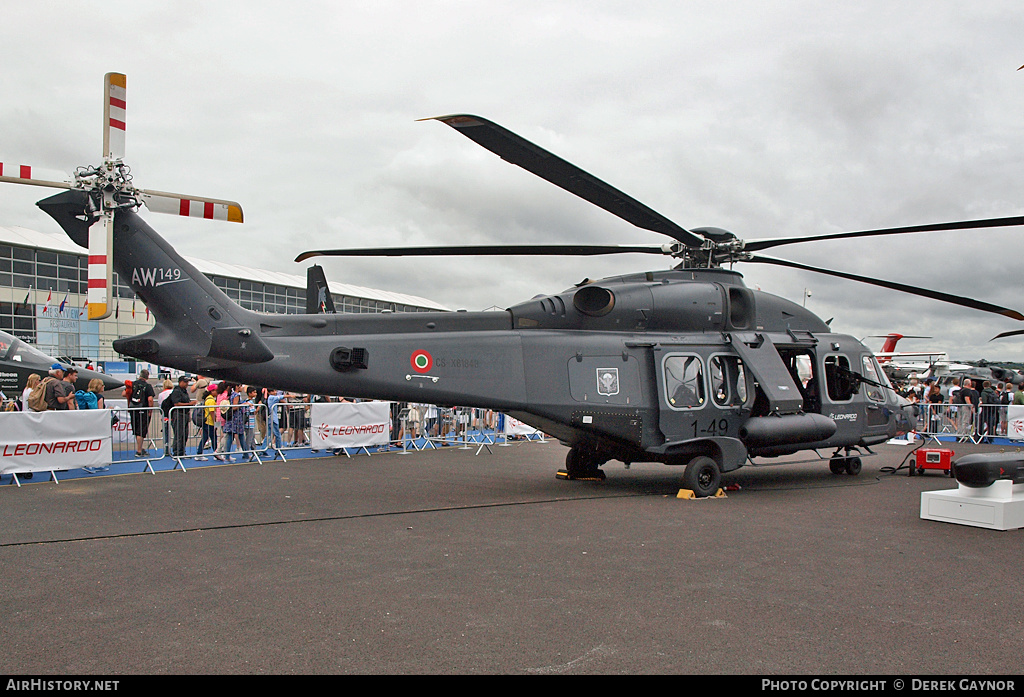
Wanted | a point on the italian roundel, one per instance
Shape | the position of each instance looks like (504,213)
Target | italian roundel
(421,361)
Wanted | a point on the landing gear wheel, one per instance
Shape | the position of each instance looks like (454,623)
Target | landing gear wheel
(580,465)
(837,465)
(702,476)
(853,465)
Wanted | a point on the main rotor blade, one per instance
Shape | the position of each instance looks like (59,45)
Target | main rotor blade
(767,243)
(519,151)
(579,250)
(913,290)
(1016,332)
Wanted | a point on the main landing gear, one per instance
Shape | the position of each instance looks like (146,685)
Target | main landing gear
(583,465)
(702,476)
(848,464)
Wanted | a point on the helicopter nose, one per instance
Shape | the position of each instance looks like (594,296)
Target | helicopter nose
(906,418)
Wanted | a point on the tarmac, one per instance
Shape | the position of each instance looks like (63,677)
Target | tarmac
(451,562)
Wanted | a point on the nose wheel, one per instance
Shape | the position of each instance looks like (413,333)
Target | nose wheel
(848,464)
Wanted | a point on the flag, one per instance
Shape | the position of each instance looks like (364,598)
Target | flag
(24,303)
(63,303)
(46,307)
(133,308)
(147,313)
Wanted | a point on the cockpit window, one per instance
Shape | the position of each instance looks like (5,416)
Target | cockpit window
(684,382)
(870,371)
(14,349)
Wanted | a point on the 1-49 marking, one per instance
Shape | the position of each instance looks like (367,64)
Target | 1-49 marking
(714,427)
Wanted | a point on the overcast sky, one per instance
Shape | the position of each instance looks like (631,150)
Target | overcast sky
(764,118)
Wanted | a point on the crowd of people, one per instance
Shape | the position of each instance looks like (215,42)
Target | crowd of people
(56,391)
(252,417)
(262,420)
(964,405)
(224,417)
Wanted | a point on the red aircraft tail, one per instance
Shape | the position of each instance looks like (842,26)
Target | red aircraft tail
(890,343)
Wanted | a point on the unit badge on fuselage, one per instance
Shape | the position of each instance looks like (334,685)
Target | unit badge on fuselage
(608,381)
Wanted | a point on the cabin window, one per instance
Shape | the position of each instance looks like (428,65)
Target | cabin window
(729,387)
(874,392)
(800,364)
(684,382)
(839,379)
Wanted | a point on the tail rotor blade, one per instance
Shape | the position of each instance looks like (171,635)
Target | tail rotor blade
(101,239)
(114,115)
(22,174)
(191,206)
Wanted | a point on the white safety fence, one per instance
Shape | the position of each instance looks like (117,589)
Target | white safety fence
(966,423)
(94,440)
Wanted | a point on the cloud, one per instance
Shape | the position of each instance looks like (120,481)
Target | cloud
(769,119)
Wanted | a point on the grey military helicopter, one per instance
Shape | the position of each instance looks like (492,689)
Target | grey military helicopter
(685,366)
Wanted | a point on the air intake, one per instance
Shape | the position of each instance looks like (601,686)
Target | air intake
(594,301)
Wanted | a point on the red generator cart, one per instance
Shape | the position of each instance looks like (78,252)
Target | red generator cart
(932,459)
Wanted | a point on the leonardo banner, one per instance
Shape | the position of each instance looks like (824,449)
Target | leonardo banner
(515,427)
(346,425)
(54,440)
(1015,422)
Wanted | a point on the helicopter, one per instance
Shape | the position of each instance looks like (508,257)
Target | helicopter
(684,366)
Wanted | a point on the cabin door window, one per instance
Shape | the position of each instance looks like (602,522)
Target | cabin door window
(684,382)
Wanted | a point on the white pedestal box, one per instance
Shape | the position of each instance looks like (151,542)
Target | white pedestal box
(997,507)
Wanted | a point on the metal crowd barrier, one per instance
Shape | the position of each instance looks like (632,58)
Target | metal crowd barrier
(123,444)
(188,436)
(462,427)
(292,426)
(180,438)
(963,422)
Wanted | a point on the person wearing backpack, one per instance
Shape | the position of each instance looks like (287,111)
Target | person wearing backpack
(44,395)
(33,380)
(86,399)
(139,405)
(179,397)
(234,422)
(67,388)
(208,398)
